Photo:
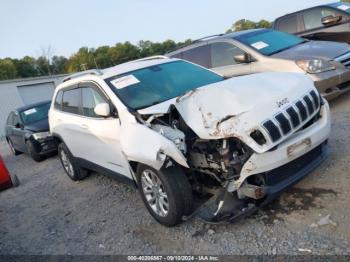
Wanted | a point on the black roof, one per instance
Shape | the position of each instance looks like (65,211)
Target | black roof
(26,107)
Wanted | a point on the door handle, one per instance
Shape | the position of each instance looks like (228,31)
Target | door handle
(84,126)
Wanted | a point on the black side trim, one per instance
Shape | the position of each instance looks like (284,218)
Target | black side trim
(105,171)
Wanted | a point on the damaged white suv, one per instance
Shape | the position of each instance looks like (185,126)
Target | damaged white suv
(194,143)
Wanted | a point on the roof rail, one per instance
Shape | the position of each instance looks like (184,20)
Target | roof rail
(150,58)
(207,37)
(86,72)
(193,42)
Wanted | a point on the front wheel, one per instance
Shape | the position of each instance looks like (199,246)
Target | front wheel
(166,193)
(70,165)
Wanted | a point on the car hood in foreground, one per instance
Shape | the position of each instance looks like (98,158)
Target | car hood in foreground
(315,49)
(237,106)
(39,126)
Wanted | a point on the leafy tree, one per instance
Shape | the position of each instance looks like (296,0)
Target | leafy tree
(7,69)
(26,67)
(58,64)
(244,24)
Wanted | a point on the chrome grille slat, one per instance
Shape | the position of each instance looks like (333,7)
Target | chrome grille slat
(293,117)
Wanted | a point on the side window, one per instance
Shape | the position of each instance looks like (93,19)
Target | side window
(222,54)
(10,119)
(91,98)
(58,100)
(71,101)
(16,119)
(313,17)
(288,24)
(198,55)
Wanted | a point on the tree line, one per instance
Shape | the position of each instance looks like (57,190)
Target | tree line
(102,57)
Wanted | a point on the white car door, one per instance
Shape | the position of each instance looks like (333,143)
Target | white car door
(100,136)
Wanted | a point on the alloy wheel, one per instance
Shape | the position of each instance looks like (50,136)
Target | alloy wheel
(154,192)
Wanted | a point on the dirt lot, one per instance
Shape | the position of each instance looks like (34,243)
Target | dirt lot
(50,214)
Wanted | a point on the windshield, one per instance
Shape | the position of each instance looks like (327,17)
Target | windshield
(269,42)
(35,114)
(152,85)
(341,6)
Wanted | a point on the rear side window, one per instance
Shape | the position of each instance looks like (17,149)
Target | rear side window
(71,101)
(91,98)
(58,100)
(288,24)
(198,55)
(222,54)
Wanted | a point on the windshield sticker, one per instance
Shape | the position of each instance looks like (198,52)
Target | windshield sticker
(259,45)
(343,7)
(30,111)
(125,81)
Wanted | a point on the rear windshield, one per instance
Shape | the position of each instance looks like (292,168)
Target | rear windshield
(35,114)
(152,85)
(269,42)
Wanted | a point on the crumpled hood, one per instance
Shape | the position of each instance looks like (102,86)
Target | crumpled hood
(237,106)
(315,49)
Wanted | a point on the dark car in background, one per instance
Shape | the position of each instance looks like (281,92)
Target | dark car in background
(329,22)
(27,131)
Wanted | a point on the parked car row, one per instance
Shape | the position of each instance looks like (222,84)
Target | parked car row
(233,120)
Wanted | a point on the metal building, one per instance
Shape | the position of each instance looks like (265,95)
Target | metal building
(19,92)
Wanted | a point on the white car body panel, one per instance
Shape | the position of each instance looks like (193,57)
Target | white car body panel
(231,108)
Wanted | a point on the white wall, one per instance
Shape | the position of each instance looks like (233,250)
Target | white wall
(10,97)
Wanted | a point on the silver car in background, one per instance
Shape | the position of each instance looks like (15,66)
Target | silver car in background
(262,50)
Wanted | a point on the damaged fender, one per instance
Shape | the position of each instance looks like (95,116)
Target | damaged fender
(144,145)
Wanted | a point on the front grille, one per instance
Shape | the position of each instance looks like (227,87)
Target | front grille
(309,105)
(298,114)
(293,115)
(279,174)
(273,130)
(302,110)
(344,59)
(315,98)
(284,123)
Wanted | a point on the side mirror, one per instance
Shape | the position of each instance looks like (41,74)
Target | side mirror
(243,58)
(331,20)
(18,125)
(102,109)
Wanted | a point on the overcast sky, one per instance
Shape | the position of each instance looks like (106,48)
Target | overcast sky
(66,25)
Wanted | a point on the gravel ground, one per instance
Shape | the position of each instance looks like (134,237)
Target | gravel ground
(50,214)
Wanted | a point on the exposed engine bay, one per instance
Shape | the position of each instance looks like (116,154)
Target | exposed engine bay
(213,164)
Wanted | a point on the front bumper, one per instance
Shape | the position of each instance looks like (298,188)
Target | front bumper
(294,147)
(45,145)
(333,83)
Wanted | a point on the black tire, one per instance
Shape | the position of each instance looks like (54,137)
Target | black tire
(15,180)
(32,152)
(178,191)
(12,148)
(74,172)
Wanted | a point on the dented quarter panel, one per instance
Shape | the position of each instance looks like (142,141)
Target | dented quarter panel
(142,144)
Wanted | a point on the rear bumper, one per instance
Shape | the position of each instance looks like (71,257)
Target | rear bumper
(332,83)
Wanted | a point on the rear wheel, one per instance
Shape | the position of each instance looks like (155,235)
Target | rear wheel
(12,148)
(32,152)
(166,193)
(70,165)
